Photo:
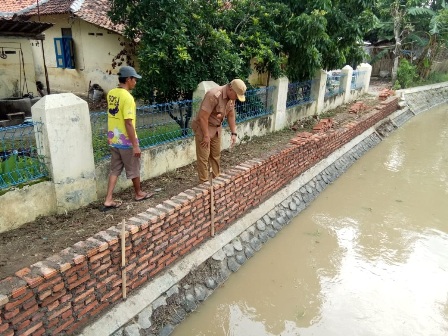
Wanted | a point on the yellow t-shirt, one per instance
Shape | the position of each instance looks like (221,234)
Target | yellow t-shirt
(120,106)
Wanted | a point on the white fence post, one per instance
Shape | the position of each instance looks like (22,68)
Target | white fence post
(318,90)
(366,68)
(346,82)
(66,144)
(279,97)
(199,94)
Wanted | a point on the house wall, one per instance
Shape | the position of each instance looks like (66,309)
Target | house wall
(14,79)
(94,49)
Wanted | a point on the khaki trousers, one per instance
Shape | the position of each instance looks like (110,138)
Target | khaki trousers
(211,155)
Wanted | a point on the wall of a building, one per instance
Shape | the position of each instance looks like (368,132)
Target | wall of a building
(16,74)
(94,48)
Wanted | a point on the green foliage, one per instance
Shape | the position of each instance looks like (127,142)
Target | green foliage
(183,42)
(396,85)
(100,146)
(406,74)
(19,169)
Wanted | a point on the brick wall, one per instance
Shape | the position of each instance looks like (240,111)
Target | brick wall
(61,293)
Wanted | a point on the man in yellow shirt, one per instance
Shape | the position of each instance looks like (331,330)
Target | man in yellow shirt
(122,137)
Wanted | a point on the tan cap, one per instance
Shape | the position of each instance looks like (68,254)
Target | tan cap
(240,88)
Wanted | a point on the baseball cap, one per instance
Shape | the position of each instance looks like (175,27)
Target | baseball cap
(128,71)
(240,88)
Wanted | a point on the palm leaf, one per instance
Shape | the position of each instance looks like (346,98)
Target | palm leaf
(379,56)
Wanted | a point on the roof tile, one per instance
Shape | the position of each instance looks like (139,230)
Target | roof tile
(92,11)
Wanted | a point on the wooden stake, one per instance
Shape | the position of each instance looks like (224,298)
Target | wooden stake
(212,204)
(123,258)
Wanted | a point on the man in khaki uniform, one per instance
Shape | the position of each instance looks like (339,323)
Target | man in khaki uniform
(218,103)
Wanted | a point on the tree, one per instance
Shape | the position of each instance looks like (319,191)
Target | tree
(411,22)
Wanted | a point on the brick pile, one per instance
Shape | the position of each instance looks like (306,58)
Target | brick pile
(386,93)
(323,125)
(358,107)
(64,292)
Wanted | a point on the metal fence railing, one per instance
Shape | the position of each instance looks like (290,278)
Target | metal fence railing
(20,162)
(299,93)
(358,79)
(162,123)
(334,84)
(156,124)
(258,103)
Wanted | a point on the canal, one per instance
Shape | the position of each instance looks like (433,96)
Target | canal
(368,257)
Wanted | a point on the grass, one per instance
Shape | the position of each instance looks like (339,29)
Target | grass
(433,78)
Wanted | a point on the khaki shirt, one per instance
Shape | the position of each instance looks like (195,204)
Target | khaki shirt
(218,105)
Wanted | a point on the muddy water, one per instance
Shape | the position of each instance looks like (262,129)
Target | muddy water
(368,257)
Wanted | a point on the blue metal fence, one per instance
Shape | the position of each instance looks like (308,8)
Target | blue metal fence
(299,93)
(334,84)
(258,103)
(162,123)
(20,162)
(358,79)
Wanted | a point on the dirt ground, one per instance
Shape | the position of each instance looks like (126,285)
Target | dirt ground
(48,235)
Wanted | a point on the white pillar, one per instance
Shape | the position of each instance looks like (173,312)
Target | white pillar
(66,144)
(318,89)
(279,97)
(366,68)
(346,82)
(199,94)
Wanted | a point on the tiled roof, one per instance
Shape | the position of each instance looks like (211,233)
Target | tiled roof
(10,7)
(95,12)
(92,11)
(51,7)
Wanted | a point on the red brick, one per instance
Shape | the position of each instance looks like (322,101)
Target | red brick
(23,325)
(49,284)
(87,309)
(63,326)
(24,315)
(12,305)
(58,287)
(52,298)
(32,280)
(52,306)
(31,330)
(3,328)
(99,256)
(111,293)
(39,332)
(11,314)
(84,295)
(79,282)
(60,310)
(99,309)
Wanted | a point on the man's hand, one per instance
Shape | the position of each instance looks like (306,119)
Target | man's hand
(205,141)
(232,140)
(137,151)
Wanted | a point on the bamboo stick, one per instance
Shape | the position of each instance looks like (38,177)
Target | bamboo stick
(212,204)
(123,258)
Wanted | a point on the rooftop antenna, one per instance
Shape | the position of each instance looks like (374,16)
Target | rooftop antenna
(38,12)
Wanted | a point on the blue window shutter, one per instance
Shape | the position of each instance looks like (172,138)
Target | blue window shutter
(58,48)
(65,56)
(67,44)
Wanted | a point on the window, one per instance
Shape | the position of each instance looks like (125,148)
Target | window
(64,49)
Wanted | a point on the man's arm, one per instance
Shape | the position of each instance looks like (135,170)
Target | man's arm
(131,134)
(231,119)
